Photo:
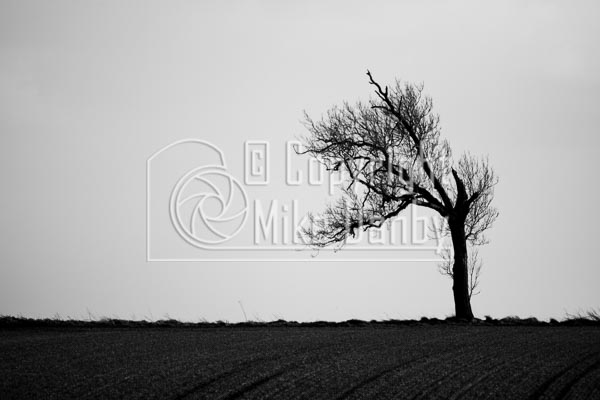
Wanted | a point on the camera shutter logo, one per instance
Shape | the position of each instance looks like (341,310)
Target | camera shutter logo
(208,206)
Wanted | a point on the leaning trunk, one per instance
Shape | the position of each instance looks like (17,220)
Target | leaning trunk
(460,276)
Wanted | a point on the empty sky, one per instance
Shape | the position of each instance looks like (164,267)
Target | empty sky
(88,90)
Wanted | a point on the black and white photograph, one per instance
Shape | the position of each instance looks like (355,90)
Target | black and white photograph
(261,199)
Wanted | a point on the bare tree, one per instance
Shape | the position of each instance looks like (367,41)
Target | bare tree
(391,149)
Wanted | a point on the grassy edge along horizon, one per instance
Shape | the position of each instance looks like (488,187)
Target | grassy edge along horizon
(589,318)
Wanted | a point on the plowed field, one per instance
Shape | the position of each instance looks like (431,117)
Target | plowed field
(378,362)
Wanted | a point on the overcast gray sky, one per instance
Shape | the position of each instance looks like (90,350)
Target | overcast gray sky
(89,90)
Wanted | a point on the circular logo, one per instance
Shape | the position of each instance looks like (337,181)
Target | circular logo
(208,206)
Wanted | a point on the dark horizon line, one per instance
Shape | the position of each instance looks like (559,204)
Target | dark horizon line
(6,321)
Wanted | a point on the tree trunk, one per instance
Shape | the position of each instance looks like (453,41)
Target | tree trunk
(460,275)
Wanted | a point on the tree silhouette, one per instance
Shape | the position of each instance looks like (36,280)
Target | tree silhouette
(391,149)
(473,268)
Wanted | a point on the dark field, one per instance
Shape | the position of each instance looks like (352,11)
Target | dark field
(381,362)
